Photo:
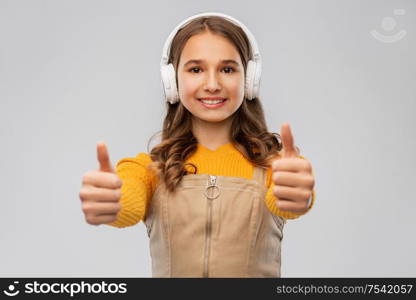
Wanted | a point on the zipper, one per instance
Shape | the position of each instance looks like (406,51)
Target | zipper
(212,183)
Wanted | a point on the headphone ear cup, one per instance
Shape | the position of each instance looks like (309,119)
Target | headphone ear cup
(256,80)
(169,83)
(250,72)
(253,75)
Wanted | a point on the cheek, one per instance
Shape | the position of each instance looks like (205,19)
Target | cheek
(186,87)
(237,87)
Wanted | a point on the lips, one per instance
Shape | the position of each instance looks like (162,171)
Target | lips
(222,99)
(212,98)
(215,104)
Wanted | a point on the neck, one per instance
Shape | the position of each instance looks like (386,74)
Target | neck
(212,134)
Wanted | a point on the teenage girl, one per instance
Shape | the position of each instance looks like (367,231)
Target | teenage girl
(215,193)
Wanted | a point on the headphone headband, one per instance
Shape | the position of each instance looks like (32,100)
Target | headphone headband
(166,48)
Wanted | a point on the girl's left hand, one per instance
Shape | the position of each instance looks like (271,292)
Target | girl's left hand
(292,176)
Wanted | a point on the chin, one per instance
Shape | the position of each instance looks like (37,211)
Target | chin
(213,119)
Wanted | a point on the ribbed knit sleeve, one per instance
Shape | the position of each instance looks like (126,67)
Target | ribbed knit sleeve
(271,200)
(136,191)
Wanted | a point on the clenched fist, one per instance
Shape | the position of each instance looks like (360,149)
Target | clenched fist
(292,176)
(101,191)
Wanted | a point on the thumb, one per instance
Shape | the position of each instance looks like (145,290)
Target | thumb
(104,158)
(288,142)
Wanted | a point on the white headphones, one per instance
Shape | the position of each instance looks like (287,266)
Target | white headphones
(253,72)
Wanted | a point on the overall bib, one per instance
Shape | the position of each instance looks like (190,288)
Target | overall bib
(214,226)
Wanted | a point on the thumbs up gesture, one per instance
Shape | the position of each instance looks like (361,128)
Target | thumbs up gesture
(101,191)
(292,176)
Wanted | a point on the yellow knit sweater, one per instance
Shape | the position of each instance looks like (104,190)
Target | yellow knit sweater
(139,183)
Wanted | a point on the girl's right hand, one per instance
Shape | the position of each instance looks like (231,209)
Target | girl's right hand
(101,191)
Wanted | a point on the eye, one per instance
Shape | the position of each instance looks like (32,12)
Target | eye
(194,68)
(229,68)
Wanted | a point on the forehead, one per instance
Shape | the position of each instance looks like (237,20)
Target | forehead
(210,47)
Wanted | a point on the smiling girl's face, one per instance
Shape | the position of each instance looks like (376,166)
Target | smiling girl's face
(210,66)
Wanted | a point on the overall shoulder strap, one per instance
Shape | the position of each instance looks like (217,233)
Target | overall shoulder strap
(259,175)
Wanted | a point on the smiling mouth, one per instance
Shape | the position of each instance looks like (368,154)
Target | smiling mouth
(212,102)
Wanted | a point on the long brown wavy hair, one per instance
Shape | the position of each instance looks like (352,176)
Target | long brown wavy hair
(249,133)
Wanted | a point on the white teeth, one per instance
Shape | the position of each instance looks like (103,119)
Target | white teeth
(212,101)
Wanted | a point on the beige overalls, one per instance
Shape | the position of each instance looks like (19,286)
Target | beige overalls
(214,226)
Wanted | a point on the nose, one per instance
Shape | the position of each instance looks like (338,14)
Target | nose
(212,84)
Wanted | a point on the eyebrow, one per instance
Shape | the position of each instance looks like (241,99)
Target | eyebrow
(198,61)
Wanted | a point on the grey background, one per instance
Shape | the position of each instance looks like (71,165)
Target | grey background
(73,73)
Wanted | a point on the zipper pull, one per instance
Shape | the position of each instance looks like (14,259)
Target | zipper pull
(212,180)
(212,183)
